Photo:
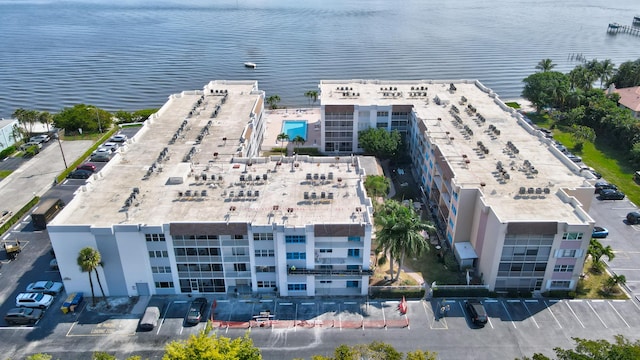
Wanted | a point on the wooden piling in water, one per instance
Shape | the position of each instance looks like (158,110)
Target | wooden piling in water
(615,28)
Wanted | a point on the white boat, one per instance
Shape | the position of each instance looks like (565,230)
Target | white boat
(250,65)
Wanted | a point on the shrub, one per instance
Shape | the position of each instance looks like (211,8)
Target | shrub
(6,152)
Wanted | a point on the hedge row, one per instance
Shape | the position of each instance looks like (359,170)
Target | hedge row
(86,154)
(6,152)
(17,216)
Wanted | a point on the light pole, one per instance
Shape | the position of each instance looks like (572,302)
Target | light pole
(99,124)
(62,152)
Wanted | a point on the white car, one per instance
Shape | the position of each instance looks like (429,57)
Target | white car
(34,300)
(40,138)
(25,146)
(120,138)
(46,287)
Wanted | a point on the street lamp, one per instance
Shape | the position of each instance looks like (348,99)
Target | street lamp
(62,152)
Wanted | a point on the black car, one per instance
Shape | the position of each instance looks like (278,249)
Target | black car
(23,316)
(610,194)
(477,312)
(603,185)
(633,217)
(196,311)
(80,174)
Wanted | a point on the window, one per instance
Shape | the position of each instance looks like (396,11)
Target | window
(297,287)
(566,253)
(265,269)
(454,210)
(563,268)
(353,284)
(164,284)
(266,284)
(264,253)
(325,281)
(239,251)
(296,256)
(353,267)
(262,236)
(382,114)
(353,253)
(161,269)
(354,238)
(154,237)
(240,267)
(560,284)
(572,236)
(323,251)
(158,254)
(295,239)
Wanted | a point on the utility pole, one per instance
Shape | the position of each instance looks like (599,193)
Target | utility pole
(62,152)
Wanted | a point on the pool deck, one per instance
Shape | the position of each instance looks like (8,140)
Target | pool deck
(274,119)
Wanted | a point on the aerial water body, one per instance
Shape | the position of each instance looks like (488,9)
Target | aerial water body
(132,54)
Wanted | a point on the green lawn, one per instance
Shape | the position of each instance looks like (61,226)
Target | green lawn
(610,162)
(433,269)
(590,286)
(5,173)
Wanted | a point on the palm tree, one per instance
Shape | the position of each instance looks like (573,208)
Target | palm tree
(611,283)
(89,259)
(400,232)
(607,69)
(282,137)
(298,140)
(273,101)
(312,95)
(597,251)
(45,118)
(545,65)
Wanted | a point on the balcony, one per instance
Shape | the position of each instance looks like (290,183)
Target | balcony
(330,272)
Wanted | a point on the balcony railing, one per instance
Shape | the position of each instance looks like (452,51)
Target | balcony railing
(298,271)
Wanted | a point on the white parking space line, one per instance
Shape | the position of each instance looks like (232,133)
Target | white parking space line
(620,316)
(595,312)
(552,314)
(505,309)
(574,313)
(529,311)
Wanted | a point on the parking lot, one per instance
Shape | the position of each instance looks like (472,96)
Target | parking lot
(525,315)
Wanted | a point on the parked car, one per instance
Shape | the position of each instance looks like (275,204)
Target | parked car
(599,232)
(610,194)
(150,318)
(34,300)
(45,287)
(596,174)
(29,144)
(101,157)
(23,316)
(103,150)
(602,185)
(119,138)
(633,217)
(40,138)
(477,312)
(53,264)
(80,174)
(87,166)
(196,311)
(574,158)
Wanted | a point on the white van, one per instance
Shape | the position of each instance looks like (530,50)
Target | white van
(150,318)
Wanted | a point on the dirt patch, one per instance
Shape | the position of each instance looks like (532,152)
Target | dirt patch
(113,305)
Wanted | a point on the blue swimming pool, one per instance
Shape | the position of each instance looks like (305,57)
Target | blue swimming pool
(295,128)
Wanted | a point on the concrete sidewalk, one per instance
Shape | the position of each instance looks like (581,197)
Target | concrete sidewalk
(37,175)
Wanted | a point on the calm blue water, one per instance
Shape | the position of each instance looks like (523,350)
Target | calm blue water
(131,55)
(295,128)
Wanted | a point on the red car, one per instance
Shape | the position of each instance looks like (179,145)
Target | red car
(87,166)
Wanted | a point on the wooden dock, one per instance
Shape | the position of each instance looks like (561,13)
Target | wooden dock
(615,28)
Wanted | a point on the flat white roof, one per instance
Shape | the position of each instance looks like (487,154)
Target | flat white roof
(258,190)
(477,135)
